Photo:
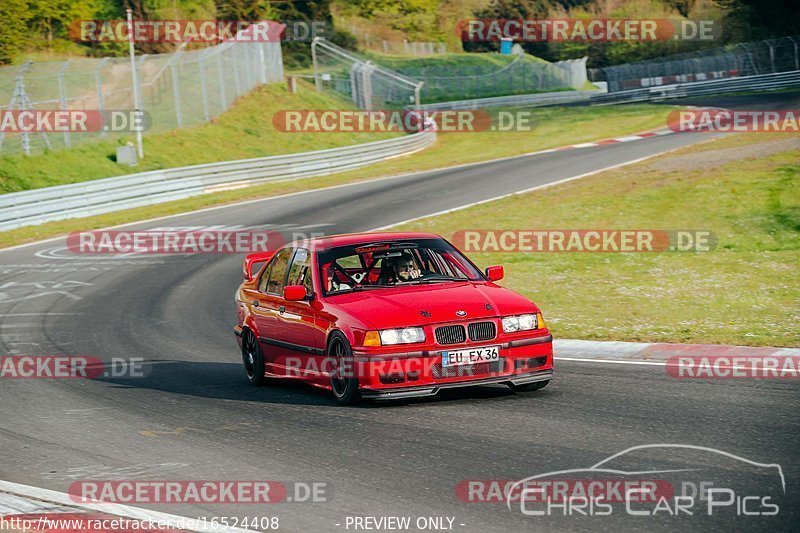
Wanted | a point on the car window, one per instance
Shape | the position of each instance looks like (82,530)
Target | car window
(276,272)
(300,271)
(262,282)
(350,261)
(384,264)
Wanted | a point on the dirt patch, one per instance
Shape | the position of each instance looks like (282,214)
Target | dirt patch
(713,158)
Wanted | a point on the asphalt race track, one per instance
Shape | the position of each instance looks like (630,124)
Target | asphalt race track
(195,416)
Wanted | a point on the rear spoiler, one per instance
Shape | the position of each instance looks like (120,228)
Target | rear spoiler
(255,260)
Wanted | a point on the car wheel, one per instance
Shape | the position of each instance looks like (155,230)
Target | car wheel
(253,359)
(343,383)
(529,387)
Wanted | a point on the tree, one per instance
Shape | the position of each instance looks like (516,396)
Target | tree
(13,22)
(52,17)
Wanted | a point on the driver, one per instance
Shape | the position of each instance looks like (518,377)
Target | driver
(403,268)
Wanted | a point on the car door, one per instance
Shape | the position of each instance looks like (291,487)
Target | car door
(265,305)
(301,328)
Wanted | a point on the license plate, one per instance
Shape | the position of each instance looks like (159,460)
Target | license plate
(487,354)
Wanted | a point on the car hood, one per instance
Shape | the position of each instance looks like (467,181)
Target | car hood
(417,305)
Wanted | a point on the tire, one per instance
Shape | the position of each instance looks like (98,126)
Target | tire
(253,359)
(344,387)
(530,387)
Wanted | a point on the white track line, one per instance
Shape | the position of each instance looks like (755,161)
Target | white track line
(61,498)
(615,361)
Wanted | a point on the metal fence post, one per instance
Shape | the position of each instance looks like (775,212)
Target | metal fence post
(249,66)
(176,93)
(772,56)
(98,78)
(203,90)
(366,85)
(236,82)
(221,77)
(62,99)
(317,81)
(262,63)
(137,102)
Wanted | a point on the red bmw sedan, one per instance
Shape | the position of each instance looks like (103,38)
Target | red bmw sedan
(384,316)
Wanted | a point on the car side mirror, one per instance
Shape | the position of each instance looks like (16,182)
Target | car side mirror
(294,293)
(495,273)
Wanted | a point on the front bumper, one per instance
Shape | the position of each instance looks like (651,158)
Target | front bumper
(420,373)
(420,391)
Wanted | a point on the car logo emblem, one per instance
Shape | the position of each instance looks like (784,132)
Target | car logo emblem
(461,313)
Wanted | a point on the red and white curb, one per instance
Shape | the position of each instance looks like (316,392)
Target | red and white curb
(655,353)
(628,138)
(43,507)
(614,140)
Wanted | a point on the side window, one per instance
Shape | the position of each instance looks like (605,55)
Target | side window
(300,271)
(276,272)
(262,283)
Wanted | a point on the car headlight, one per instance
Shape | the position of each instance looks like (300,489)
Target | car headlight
(402,336)
(519,323)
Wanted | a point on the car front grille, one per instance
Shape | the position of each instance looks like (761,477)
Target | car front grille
(478,369)
(482,331)
(450,334)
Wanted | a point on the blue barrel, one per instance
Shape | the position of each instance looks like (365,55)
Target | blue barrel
(505,45)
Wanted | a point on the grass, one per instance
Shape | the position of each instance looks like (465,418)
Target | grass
(553,127)
(244,131)
(746,291)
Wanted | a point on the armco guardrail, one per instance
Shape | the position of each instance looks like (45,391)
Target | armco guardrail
(517,100)
(765,82)
(146,188)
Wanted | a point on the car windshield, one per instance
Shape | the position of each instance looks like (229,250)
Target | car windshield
(383,264)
